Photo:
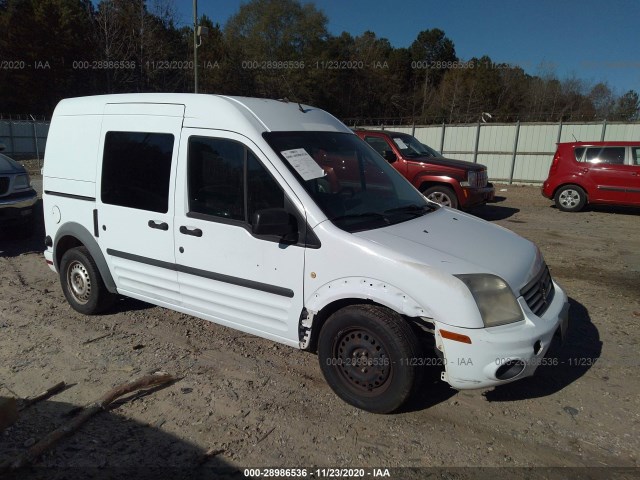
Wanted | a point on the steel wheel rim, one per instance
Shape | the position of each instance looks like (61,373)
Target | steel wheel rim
(440,198)
(79,282)
(362,362)
(569,198)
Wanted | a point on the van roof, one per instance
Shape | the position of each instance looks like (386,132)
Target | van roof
(216,111)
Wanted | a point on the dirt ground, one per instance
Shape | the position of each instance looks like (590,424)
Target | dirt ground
(252,403)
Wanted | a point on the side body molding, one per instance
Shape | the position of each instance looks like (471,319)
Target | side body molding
(76,230)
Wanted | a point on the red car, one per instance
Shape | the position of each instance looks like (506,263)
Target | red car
(594,172)
(452,183)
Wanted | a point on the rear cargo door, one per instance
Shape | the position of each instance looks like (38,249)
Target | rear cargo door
(136,178)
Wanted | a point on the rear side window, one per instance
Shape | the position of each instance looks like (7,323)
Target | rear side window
(136,169)
(611,155)
(636,155)
(578,152)
(226,180)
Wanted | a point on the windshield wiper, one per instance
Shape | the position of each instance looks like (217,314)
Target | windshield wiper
(417,210)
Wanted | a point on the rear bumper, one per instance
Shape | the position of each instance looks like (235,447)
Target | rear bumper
(547,190)
(472,196)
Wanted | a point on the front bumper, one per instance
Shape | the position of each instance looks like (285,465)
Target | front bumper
(17,208)
(523,344)
(473,197)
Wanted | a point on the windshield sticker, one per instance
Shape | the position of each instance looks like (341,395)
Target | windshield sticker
(304,163)
(400,143)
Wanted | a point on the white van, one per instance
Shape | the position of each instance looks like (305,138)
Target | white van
(275,219)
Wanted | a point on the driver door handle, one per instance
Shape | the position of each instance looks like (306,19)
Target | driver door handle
(196,232)
(158,225)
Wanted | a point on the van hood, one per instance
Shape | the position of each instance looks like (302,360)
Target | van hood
(459,243)
(8,165)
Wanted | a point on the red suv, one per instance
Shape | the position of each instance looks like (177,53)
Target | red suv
(453,183)
(594,172)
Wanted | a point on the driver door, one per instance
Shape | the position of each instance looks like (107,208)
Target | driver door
(226,273)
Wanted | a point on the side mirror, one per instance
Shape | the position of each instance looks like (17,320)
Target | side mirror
(273,221)
(389,156)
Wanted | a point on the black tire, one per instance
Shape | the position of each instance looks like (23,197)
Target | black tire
(382,339)
(82,284)
(570,198)
(441,195)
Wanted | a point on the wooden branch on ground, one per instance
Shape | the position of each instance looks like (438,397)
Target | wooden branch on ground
(87,412)
(57,388)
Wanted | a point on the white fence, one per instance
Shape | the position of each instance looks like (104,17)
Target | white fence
(515,152)
(24,139)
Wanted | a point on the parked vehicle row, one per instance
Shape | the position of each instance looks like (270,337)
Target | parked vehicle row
(275,219)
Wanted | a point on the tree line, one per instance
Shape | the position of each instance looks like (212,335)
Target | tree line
(53,49)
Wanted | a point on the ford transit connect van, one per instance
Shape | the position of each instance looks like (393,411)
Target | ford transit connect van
(275,219)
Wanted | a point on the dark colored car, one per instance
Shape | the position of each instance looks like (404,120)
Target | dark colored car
(453,183)
(17,198)
(594,172)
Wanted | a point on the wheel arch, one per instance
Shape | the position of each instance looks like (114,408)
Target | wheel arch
(344,292)
(71,235)
(424,182)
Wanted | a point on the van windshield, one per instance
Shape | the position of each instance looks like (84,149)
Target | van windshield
(353,185)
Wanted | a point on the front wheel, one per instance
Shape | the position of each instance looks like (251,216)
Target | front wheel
(82,284)
(368,356)
(570,198)
(441,195)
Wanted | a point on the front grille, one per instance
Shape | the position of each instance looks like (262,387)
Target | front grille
(481,179)
(538,293)
(4,185)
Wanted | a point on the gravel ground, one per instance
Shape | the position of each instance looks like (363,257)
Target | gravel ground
(251,403)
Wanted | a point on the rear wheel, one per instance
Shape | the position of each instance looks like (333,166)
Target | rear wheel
(367,355)
(82,284)
(570,198)
(441,195)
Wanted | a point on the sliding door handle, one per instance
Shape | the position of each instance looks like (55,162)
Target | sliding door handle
(195,232)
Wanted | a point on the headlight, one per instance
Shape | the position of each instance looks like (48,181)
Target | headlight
(21,182)
(472,179)
(496,302)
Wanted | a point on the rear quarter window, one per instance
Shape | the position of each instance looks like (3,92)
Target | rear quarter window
(136,169)
(579,152)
